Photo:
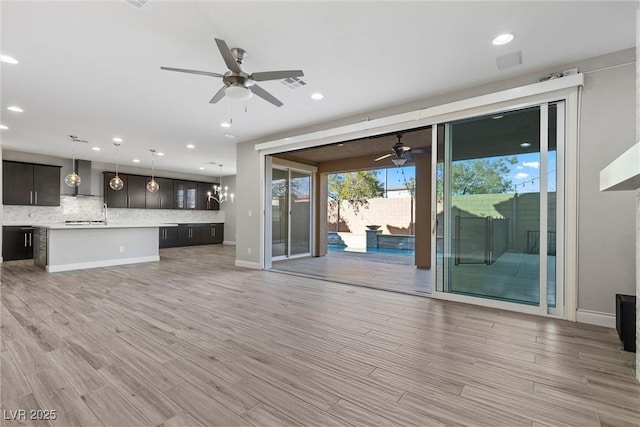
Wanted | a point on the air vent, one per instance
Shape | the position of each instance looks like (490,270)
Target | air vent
(137,3)
(509,60)
(293,82)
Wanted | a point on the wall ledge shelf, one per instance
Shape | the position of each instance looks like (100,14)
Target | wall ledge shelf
(623,174)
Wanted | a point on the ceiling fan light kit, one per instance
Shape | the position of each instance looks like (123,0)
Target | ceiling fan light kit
(238,84)
(240,93)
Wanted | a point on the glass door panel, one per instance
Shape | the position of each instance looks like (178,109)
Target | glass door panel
(279,213)
(300,213)
(491,185)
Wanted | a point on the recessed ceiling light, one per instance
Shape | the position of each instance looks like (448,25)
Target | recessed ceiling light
(503,39)
(191,146)
(15,109)
(136,160)
(225,124)
(229,135)
(117,139)
(4,127)
(499,116)
(525,144)
(160,153)
(8,59)
(201,168)
(340,145)
(317,96)
(95,148)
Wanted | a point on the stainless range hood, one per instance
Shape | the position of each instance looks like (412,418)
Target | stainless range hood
(83,168)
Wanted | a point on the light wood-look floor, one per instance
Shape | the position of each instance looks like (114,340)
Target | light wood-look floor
(361,270)
(193,340)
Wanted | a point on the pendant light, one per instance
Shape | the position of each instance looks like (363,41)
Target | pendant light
(73,179)
(152,186)
(116,182)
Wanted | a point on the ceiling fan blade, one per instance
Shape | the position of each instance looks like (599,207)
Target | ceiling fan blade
(265,95)
(276,75)
(182,70)
(218,96)
(409,156)
(383,157)
(420,150)
(228,57)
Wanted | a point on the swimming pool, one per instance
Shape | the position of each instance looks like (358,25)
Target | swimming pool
(340,248)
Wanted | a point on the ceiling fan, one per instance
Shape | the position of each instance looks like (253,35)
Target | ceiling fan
(238,84)
(401,153)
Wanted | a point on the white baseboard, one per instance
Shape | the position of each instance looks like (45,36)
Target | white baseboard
(248,264)
(608,320)
(229,242)
(96,264)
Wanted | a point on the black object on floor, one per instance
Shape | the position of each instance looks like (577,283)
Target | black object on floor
(626,321)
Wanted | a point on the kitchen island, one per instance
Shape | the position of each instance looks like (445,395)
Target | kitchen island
(63,247)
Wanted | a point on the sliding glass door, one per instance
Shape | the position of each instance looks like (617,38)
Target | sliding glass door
(290,213)
(498,197)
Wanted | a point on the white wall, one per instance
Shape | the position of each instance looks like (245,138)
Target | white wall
(606,248)
(608,100)
(248,207)
(230,211)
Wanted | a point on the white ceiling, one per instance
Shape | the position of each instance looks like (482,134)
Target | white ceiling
(93,68)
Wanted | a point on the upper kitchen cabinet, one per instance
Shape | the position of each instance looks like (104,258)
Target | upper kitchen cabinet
(204,202)
(163,199)
(115,198)
(137,191)
(185,194)
(30,184)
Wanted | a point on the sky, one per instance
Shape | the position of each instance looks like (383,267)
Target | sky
(525,174)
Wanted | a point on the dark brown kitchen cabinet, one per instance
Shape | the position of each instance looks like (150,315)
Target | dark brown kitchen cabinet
(163,199)
(17,242)
(185,194)
(132,194)
(137,191)
(212,233)
(204,202)
(189,234)
(168,237)
(30,184)
(115,198)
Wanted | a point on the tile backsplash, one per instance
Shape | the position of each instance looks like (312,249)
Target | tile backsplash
(90,208)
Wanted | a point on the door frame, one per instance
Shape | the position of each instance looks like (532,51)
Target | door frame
(271,163)
(566,173)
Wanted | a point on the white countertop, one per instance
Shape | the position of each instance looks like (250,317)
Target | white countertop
(62,226)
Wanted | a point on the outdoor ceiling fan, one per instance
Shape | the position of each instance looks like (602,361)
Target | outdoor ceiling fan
(238,84)
(400,153)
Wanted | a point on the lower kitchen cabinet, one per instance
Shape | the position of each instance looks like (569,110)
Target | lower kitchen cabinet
(168,237)
(17,242)
(212,233)
(189,234)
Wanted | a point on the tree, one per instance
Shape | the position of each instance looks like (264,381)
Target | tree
(479,176)
(354,187)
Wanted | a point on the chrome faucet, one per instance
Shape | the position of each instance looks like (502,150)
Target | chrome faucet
(104,212)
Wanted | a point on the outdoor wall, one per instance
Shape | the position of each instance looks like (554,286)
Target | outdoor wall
(606,243)
(525,208)
(394,215)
